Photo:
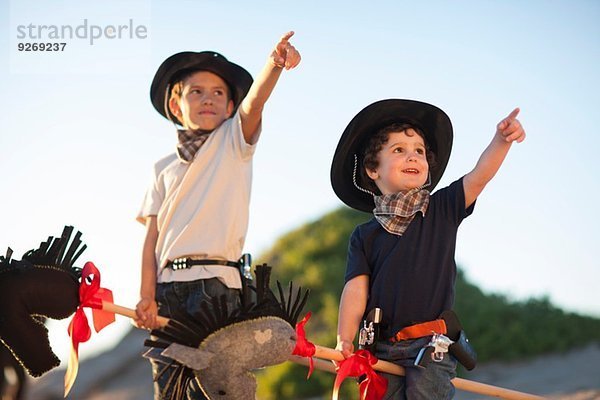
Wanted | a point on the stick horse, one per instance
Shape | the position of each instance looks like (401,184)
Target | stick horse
(218,348)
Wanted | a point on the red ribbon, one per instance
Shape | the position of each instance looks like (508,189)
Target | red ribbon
(360,363)
(304,348)
(90,295)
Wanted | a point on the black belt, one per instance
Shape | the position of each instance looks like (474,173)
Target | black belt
(185,263)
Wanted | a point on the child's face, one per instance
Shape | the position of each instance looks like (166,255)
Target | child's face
(204,102)
(402,163)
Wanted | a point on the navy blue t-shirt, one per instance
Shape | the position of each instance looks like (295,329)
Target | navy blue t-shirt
(411,276)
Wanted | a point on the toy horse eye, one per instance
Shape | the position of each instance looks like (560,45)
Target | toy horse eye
(222,393)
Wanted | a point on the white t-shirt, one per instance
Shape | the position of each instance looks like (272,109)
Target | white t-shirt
(202,207)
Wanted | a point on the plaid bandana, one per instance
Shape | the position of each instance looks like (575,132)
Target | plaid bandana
(396,211)
(189,143)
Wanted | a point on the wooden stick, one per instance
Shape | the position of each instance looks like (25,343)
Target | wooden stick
(128,312)
(324,353)
(459,383)
(319,363)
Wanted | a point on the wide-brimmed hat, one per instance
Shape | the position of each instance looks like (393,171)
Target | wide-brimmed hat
(174,67)
(347,160)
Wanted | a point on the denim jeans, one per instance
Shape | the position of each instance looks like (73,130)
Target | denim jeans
(431,383)
(176,299)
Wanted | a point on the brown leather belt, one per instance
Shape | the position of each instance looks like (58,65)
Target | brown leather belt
(420,330)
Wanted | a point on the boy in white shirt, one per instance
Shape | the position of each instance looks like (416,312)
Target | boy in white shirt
(196,210)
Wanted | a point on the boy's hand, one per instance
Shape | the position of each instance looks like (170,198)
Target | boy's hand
(345,347)
(285,55)
(146,311)
(510,129)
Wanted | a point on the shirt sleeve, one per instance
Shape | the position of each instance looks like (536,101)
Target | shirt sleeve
(357,261)
(153,198)
(236,134)
(452,202)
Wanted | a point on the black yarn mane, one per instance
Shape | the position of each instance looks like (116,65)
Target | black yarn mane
(56,253)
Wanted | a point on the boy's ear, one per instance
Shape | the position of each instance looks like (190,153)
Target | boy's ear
(371,173)
(174,108)
(230,107)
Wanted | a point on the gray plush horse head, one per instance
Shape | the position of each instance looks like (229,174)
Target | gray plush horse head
(220,350)
(224,361)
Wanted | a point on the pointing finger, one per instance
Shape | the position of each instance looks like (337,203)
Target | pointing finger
(283,44)
(286,37)
(513,115)
(502,125)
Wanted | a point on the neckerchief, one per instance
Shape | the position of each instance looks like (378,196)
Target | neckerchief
(396,211)
(189,143)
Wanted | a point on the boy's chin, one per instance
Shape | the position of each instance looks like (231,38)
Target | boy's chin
(207,126)
(204,127)
(407,188)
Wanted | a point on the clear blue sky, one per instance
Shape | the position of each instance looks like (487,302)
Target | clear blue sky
(79,135)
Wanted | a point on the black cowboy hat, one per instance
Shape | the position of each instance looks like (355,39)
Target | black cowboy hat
(434,123)
(174,67)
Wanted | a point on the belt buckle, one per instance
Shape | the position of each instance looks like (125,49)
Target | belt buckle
(180,263)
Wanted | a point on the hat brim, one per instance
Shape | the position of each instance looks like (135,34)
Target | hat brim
(434,123)
(238,79)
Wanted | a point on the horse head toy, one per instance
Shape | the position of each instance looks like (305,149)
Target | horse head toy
(220,347)
(43,284)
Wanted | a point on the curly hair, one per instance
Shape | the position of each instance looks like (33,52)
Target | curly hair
(376,142)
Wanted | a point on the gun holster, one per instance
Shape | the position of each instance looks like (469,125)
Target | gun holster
(464,353)
(460,348)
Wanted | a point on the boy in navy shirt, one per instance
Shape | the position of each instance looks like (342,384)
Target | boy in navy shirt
(389,158)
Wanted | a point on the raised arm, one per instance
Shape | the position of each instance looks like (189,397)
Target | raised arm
(284,55)
(508,131)
(352,308)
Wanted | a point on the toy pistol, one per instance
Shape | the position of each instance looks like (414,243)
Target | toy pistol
(369,332)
